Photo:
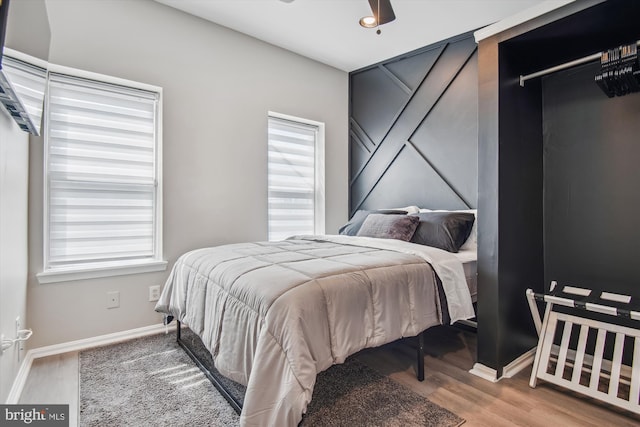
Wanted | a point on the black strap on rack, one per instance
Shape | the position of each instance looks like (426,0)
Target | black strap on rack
(625,306)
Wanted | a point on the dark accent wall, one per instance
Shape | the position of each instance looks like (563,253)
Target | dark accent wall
(552,155)
(414,129)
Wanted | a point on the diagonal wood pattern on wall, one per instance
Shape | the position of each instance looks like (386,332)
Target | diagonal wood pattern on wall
(414,129)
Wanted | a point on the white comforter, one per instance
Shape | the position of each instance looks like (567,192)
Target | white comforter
(274,314)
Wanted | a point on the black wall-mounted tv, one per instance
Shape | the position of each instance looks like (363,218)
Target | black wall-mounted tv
(4,14)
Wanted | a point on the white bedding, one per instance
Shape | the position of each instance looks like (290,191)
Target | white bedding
(469,260)
(466,255)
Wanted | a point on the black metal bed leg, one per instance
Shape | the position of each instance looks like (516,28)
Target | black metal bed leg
(421,356)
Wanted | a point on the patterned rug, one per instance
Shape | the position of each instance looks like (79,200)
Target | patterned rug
(151,381)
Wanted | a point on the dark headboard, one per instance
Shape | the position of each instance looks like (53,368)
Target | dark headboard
(414,129)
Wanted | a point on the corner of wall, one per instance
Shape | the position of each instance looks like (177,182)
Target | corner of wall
(14,168)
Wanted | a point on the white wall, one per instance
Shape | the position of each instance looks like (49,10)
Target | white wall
(14,171)
(218,87)
(26,19)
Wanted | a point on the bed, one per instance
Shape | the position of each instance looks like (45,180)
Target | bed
(469,260)
(275,314)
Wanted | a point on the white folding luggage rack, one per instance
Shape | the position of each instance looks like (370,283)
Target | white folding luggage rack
(584,367)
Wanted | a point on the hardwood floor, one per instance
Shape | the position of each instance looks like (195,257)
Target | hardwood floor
(450,355)
(52,380)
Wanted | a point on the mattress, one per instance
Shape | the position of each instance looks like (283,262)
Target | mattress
(469,259)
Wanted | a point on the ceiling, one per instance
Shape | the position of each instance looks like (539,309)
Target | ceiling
(328,30)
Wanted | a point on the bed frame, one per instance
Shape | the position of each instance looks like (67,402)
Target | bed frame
(237,405)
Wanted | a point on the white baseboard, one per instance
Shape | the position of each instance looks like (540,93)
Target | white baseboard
(470,323)
(517,365)
(522,362)
(79,345)
(484,372)
(98,341)
(20,379)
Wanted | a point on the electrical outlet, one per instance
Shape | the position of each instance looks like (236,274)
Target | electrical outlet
(113,299)
(154,293)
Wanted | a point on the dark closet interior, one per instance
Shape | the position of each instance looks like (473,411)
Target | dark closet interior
(591,183)
(558,172)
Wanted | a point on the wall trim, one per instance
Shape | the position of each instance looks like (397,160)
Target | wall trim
(78,345)
(517,365)
(470,323)
(484,372)
(521,362)
(561,8)
(20,379)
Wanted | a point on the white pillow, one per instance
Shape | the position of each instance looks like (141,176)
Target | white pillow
(472,241)
(409,209)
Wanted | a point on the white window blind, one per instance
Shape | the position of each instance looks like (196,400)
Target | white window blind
(294,178)
(101,175)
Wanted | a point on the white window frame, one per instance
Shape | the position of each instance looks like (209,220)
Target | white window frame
(319,190)
(158,263)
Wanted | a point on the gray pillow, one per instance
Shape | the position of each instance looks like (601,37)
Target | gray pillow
(400,227)
(351,228)
(443,230)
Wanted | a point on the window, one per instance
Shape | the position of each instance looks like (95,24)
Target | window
(296,176)
(103,204)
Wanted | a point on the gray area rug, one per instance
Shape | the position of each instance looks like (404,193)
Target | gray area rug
(152,382)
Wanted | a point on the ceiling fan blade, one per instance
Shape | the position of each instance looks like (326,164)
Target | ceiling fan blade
(386,11)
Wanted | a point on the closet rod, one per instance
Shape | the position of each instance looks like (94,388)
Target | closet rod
(564,66)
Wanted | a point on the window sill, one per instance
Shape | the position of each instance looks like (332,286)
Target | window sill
(54,276)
